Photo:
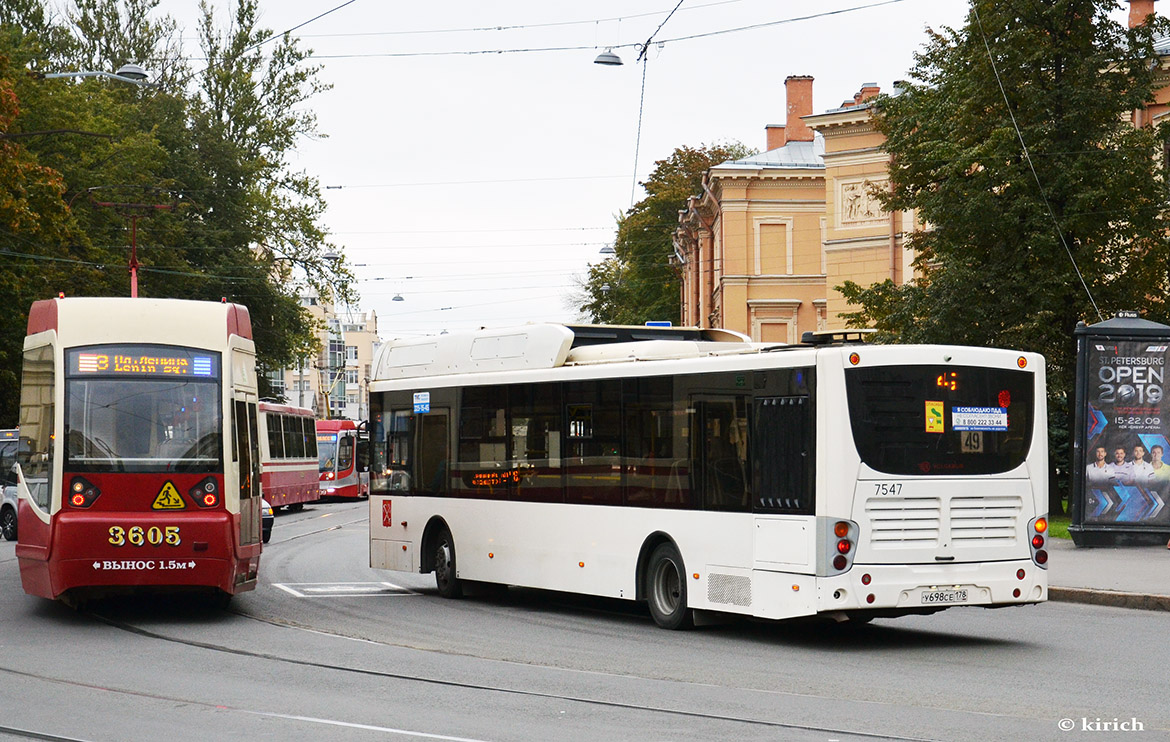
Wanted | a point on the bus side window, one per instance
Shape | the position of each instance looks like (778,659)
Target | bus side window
(782,455)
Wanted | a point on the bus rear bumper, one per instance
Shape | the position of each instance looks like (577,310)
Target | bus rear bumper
(926,588)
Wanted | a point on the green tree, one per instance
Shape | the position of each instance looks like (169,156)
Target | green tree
(639,283)
(214,146)
(1012,230)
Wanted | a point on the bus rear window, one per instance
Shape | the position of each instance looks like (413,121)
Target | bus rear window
(939,420)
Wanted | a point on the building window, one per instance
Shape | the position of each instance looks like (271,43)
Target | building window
(276,382)
(351,376)
(351,353)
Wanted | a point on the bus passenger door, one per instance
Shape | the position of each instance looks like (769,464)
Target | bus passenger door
(719,450)
(247,455)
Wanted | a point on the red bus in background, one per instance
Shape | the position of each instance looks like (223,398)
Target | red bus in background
(139,465)
(288,455)
(341,455)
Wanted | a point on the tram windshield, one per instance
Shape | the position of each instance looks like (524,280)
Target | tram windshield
(334,452)
(137,408)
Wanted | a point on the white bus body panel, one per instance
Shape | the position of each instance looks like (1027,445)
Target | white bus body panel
(937,532)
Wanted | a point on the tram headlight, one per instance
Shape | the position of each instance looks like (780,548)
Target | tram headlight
(205,494)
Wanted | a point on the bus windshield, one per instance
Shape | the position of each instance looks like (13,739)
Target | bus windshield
(142,425)
(940,420)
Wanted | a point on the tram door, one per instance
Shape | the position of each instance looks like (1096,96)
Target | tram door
(247,455)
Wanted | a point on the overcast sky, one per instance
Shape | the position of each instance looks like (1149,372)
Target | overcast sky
(476,186)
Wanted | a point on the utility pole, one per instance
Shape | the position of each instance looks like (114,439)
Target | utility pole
(131,212)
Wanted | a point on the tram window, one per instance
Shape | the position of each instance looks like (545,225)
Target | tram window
(309,434)
(36,424)
(344,452)
(294,438)
(275,436)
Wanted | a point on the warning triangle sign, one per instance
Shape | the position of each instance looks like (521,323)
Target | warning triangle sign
(169,499)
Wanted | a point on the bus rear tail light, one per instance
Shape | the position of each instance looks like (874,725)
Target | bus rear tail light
(205,494)
(838,539)
(82,494)
(1037,528)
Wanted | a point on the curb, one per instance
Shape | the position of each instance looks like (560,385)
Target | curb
(1114,598)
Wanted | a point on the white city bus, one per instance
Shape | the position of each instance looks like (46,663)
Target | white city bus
(706,474)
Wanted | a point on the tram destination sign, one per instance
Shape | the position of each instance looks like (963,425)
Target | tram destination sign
(159,361)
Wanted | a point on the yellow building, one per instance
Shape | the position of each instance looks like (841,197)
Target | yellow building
(771,235)
(336,383)
(762,248)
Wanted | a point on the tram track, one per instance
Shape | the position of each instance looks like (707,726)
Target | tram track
(677,713)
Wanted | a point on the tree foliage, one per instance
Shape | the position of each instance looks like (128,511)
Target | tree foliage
(1012,232)
(639,283)
(199,166)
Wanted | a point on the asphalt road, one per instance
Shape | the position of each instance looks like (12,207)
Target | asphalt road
(327,648)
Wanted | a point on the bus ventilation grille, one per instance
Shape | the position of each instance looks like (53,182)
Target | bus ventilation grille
(729,590)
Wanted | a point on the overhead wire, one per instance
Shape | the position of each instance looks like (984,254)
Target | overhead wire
(1028,158)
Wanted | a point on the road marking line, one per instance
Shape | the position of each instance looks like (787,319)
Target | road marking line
(352,725)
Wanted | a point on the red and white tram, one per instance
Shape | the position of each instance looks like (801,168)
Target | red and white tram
(341,448)
(288,455)
(142,467)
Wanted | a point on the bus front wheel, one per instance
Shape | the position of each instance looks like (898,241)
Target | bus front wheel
(445,579)
(666,588)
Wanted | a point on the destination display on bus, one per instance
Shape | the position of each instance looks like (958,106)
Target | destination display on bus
(152,361)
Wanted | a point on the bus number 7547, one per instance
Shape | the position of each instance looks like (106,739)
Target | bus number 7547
(888,488)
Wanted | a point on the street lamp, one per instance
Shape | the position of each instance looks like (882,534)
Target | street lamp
(608,58)
(130,72)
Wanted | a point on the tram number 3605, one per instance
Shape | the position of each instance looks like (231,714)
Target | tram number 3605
(139,536)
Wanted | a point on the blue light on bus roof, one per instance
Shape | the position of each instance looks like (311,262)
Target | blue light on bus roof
(201,366)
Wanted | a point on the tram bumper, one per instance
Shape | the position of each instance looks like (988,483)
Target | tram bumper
(107,550)
(925,588)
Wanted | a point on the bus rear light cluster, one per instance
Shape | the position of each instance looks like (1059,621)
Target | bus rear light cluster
(205,494)
(1037,532)
(840,536)
(82,494)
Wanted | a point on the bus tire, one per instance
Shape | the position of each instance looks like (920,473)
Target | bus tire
(666,588)
(445,579)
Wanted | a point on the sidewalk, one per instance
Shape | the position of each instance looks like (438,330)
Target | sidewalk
(1124,576)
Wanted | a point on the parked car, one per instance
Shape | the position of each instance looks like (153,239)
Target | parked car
(8,512)
(266,521)
(9,443)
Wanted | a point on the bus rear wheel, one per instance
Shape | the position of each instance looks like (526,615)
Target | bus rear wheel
(445,579)
(666,588)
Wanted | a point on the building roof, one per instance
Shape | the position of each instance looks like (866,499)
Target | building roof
(809,155)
